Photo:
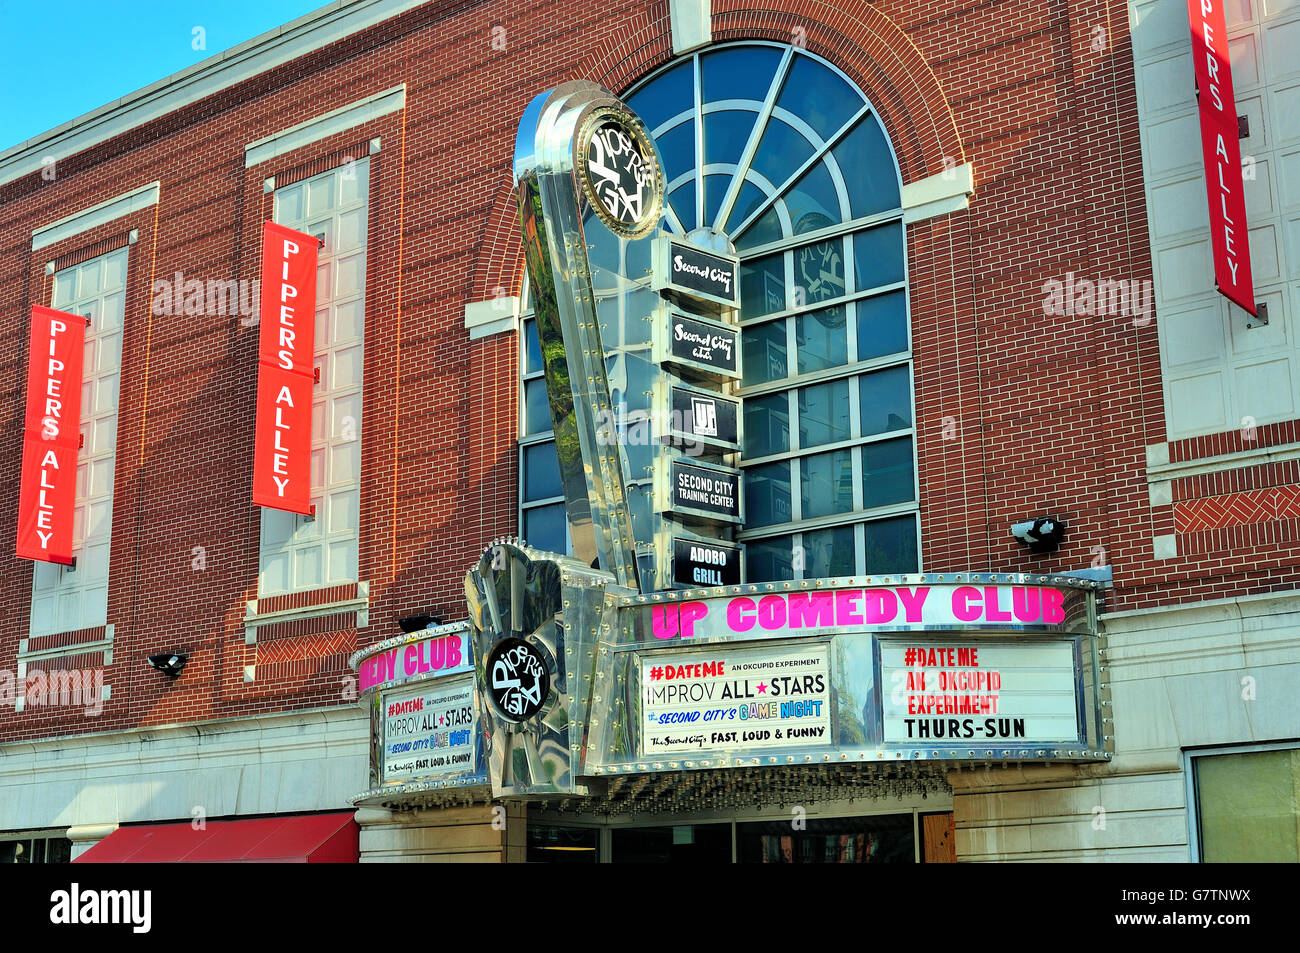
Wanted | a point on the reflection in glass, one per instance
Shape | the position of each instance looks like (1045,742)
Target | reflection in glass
(544,528)
(541,472)
(886,838)
(829,552)
(886,401)
(868,168)
(738,72)
(767,425)
(819,271)
(764,350)
(818,96)
(670,93)
(824,413)
(762,285)
(677,149)
(563,845)
(826,485)
(767,494)
(878,256)
(887,473)
(882,325)
(769,560)
(781,151)
(891,545)
(537,409)
(822,339)
(813,202)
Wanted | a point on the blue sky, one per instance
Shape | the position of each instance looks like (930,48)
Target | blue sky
(61,60)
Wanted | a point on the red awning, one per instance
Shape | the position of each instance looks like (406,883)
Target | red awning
(288,839)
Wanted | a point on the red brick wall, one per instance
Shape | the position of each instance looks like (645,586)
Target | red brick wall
(1019,414)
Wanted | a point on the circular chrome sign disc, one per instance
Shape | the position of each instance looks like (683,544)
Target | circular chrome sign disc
(620,173)
(518,679)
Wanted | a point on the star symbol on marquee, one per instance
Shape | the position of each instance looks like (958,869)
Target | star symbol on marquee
(762,688)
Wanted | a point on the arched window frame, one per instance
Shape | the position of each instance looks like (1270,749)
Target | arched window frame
(822,537)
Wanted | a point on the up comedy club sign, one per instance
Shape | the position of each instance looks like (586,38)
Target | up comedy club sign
(896,607)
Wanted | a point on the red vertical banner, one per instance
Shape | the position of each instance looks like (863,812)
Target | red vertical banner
(282,440)
(1221,151)
(47,496)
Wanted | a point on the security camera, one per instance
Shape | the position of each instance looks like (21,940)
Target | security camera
(169,663)
(415,623)
(1042,535)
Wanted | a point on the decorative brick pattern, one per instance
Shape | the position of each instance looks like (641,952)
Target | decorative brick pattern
(1237,509)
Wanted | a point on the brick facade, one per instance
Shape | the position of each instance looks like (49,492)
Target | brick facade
(1018,414)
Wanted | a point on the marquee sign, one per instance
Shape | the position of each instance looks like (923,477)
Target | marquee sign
(742,699)
(977,692)
(832,605)
(285,370)
(430,730)
(47,495)
(1221,152)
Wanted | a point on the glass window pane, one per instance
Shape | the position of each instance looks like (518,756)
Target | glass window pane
(824,413)
(683,202)
(830,552)
(666,96)
(768,228)
(541,472)
(682,844)
(822,340)
(715,190)
(764,349)
(842,840)
(537,409)
(677,149)
(563,845)
(882,325)
(887,473)
(767,494)
(1248,806)
(781,151)
(762,285)
(740,72)
(818,96)
(819,271)
(891,546)
(544,528)
(813,201)
(725,135)
(750,198)
(769,560)
(878,256)
(870,174)
(886,401)
(767,425)
(826,484)
(532,348)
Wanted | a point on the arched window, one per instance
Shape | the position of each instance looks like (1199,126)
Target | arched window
(782,153)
